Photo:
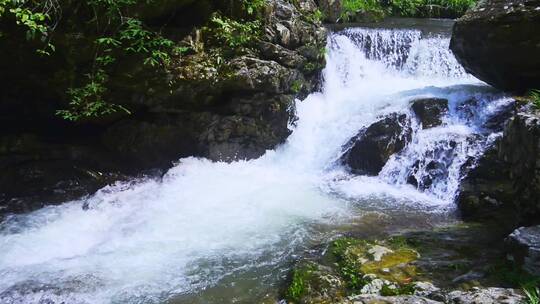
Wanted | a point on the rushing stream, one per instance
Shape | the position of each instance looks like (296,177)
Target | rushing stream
(224,233)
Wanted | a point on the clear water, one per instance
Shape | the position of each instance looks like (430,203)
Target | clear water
(212,232)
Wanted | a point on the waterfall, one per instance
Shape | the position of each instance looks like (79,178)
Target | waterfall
(149,241)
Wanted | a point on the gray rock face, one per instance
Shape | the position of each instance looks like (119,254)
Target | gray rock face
(430,111)
(475,296)
(524,248)
(372,147)
(372,299)
(506,180)
(498,42)
(485,296)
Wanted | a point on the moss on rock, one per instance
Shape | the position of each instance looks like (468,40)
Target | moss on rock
(386,260)
(315,284)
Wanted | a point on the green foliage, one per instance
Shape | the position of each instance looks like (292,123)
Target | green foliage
(405,8)
(88,100)
(299,284)
(153,47)
(407,289)
(352,8)
(430,8)
(534,96)
(118,35)
(348,267)
(316,17)
(234,34)
(296,86)
(252,7)
(532,294)
(34,17)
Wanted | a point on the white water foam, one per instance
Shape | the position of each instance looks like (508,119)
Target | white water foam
(149,240)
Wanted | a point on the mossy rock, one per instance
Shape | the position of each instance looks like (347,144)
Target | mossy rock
(313,283)
(388,261)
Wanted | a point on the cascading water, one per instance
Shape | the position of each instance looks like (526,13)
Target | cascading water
(154,241)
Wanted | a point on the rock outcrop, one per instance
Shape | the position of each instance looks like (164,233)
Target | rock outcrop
(372,147)
(523,247)
(235,111)
(487,296)
(393,271)
(506,180)
(498,42)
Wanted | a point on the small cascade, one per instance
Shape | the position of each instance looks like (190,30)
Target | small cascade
(433,161)
(392,47)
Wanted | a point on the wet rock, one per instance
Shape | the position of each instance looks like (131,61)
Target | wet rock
(497,41)
(485,296)
(377,263)
(254,74)
(524,248)
(430,111)
(485,189)
(468,277)
(282,55)
(434,166)
(39,171)
(407,299)
(372,147)
(376,286)
(425,289)
(505,182)
(496,121)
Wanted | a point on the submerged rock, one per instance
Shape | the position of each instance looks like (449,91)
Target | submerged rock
(434,166)
(498,42)
(430,111)
(372,147)
(524,248)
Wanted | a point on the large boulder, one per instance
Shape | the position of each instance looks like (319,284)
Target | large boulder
(505,182)
(487,189)
(524,248)
(498,42)
(371,148)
